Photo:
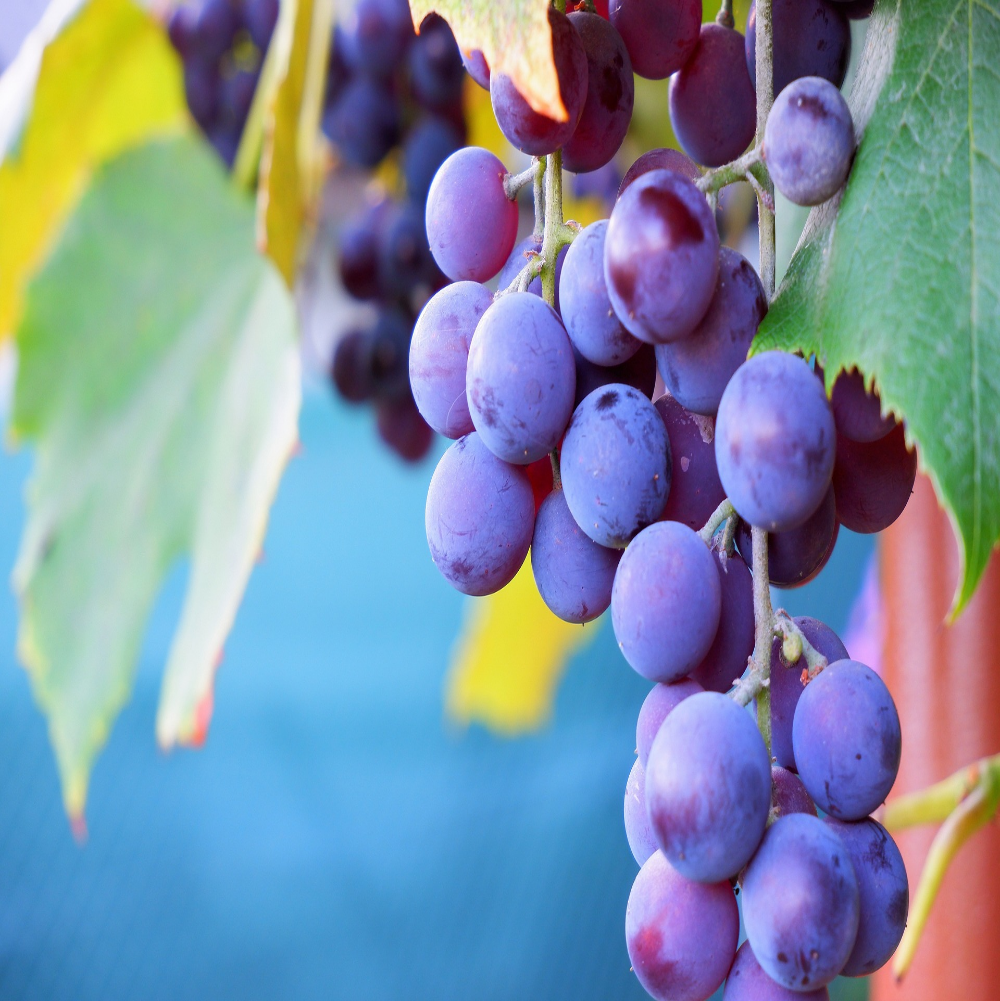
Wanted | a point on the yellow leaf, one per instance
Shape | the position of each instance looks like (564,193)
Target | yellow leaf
(107,81)
(509,658)
(515,37)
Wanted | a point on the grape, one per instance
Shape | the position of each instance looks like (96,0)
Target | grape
(727,658)
(637,829)
(681,935)
(639,372)
(873,481)
(430,142)
(857,10)
(748,982)
(375,35)
(181,30)
(846,740)
(789,794)
(787,687)
(660,701)
(697,369)
(661,257)
(615,465)
(713,106)
(883,890)
(660,35)
(471,223)
(201,90)
(811,38)
(214,30)
(404,256)
(775,441)
(519,257)
(607,110)
(856,412)
(665,604)
(708,787)
(540,474)
(809,141)
(529,130)
(226,142)
(477,67)
(800,903)
(660,159)
(593,327)
(359,243)
(439,355)
(402,428)
(235,97)
(479,518)
(363,123)
(695,488)
(436,70)
(521,378)
(390,353)
(261,16)
(574,575)
(797,556)
(351,368)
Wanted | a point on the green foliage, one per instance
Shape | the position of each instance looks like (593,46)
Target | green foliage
(903,280)
(159,384)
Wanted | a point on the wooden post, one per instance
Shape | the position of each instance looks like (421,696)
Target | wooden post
(946,683)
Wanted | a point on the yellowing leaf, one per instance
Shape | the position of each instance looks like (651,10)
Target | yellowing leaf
(509,658)
(515,37)
(108,81)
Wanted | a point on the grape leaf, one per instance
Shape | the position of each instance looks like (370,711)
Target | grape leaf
(515,38)
(901,276)
(96,80)
(509,658)
(159,384)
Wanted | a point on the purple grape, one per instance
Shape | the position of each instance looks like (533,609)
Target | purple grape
(796,556)
(592,325)
(436,70)
(261,17)
(809,141)
(713,106)
(181,28)
(873,481)
(375,34)
(521,378)
(477,67)
(430,142)
(697,369)
(639,372)
(856,412)
(811,38)
(404,259)
(695,488)
(479,517)
(857,10)
(788,794)
(615,464)
(846,740)
(787,686)
(660,159)
(363,123)
(235,97)
(201,89)
(574,575)
(351,369)
(748,982)
(658,704)
(637,829)
(884,893)
(607,110)
(390,353)
(529,130)
(471,223)
(666,602)
(359,243)
(775,441)
(727,658)
(401,427)
(708,787)
(681,935)
(800,903)
(660,35)
(519,256)
(214,30)
(661,257)
(439,355)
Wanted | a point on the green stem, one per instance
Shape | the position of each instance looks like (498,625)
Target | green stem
(539,192)
(556,233)
(764,619)
(725,15)
(765,98)
(721,514)
(731,173)
(513,183)
(795,645)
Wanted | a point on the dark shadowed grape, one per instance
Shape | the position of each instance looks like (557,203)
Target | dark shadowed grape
(201,89)
(661,257)
(390,354)
(363,123)
(660,701)
(351,369)
(375,35)
(788,794)
(436,70)
(607,110)
(477,67)
(181,30)
(404,257)
(857,10)
(708,787)
(666,601)
(429,143)
(800,903)
(856,412)
(748,982)
(214,30)
(260,17)
(402,428)
(660,159)
(639,372)
(713,106)
(226,142)
(359,243)
(236,92)
(637,829)
(660,35)
(873,481)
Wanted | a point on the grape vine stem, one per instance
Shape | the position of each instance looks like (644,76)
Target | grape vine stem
(723,513)
(513,183)
(795,646)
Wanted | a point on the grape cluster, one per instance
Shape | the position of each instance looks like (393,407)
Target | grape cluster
(389,88)
(221,44)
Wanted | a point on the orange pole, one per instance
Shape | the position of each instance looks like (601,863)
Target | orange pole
(946,683)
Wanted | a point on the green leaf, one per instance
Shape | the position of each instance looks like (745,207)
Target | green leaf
(901,277)
(159,383)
